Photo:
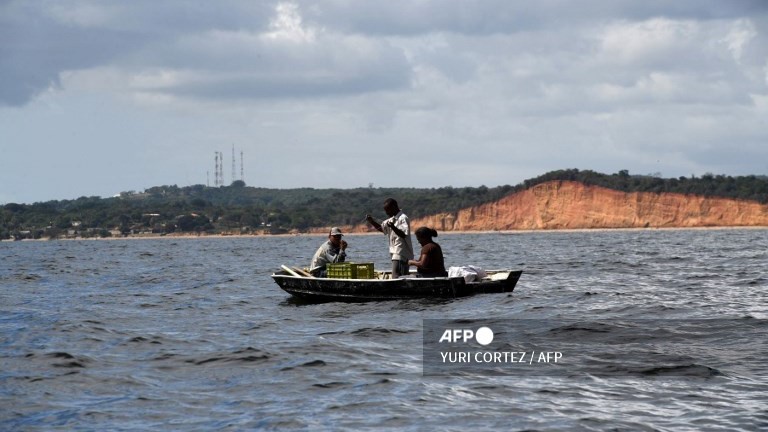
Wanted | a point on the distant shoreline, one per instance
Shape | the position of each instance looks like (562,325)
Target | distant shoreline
(176,236)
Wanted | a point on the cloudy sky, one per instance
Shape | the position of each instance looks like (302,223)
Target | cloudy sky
(101,97)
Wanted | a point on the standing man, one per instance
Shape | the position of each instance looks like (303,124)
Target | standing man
(398,229)
(332,251)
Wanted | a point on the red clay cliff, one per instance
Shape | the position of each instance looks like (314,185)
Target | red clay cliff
(573,205)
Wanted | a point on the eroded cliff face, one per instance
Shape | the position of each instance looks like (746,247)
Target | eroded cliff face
(572,205)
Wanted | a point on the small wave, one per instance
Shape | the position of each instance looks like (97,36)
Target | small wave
(245,355)
(140,339)
(313,363)
(250,355)
(583,327)
(70,361)
(373,331)
(330,385)
(331,333)
(165,356)
(208,360)
(688,370)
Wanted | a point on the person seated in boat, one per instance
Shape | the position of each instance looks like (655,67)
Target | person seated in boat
(430,262)
(332,251)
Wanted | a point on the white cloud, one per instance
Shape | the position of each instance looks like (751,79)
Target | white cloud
(740,34)
(287,25)
(652,41)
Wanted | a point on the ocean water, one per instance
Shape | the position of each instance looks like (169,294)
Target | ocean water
(192,334)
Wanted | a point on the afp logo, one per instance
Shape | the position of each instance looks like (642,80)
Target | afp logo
(483,335)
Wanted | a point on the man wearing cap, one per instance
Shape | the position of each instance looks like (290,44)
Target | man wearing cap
(332,251)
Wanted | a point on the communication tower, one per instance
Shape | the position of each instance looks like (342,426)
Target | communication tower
(233,164)
(216,170)
(221,169)
(218,174)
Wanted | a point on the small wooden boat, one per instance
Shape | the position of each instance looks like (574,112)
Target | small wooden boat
(304,286)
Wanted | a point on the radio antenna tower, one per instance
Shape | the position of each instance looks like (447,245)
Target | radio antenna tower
(221,169)
(233,163)
(242,177)
(218,174)
(216,170)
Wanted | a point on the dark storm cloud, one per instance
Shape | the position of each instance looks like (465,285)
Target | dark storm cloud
(39,40)
(34,49)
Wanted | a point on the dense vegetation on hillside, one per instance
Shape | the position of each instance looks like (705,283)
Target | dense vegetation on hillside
(235,208)
(238,208)
(752,188)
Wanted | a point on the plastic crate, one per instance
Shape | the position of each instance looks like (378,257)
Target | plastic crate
(339,270)
(350,270)
(362,271)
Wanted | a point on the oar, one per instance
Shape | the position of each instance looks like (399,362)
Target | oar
(289,271)
(302,272)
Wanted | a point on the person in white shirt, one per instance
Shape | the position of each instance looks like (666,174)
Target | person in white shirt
(398,229)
